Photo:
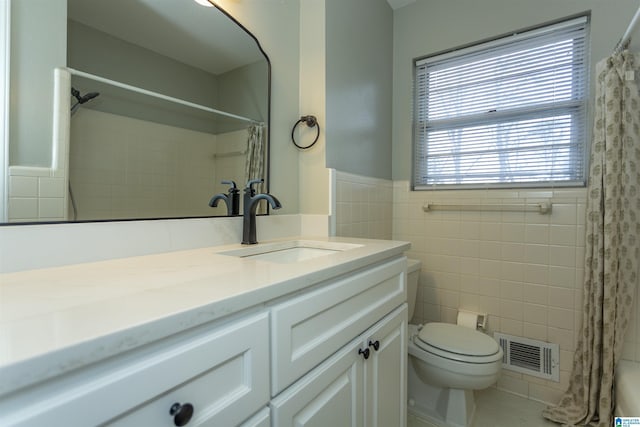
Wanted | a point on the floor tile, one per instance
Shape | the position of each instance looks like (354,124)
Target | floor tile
(496,408)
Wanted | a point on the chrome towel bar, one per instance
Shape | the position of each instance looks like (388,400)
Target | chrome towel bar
(542,207)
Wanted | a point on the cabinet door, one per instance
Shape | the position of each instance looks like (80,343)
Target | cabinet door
(386,371)
(330,395)
(261,419)
(307,329)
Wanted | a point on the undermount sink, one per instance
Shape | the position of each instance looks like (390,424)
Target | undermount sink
(290,251)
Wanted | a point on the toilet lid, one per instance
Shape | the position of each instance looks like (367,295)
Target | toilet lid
(458,339)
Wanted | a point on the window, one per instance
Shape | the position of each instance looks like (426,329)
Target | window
(506,113)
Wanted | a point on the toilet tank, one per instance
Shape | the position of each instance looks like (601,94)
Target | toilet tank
(413,275)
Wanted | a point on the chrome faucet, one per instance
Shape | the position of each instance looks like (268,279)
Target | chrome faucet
(250,204)
(232,199)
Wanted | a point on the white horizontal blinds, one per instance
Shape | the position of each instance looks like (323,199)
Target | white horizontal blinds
(509,112)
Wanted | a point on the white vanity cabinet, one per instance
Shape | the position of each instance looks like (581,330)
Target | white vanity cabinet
(339,351)
(325,347)
(220,373)
(358,386)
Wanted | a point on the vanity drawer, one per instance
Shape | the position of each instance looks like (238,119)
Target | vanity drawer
(307,329)
(222,373)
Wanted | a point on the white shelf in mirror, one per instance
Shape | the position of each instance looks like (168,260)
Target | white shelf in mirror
(160,96)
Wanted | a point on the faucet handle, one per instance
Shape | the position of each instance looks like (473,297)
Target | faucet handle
(249,188)
(254,181)
(233,188)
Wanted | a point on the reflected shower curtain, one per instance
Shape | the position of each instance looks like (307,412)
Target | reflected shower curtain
(254,166)
(612,245)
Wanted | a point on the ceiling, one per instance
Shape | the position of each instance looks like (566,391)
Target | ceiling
(168,26)
(397,4)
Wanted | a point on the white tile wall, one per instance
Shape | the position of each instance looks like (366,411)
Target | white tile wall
(523,269)
(128,168)
(363,206)
(229,164)
(36,194)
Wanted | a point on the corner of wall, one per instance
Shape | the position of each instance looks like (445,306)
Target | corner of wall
(5,48)
(40,193)
(314,177)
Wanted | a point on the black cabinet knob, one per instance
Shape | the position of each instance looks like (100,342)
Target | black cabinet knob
(181,413)
(375,345)
(364,353)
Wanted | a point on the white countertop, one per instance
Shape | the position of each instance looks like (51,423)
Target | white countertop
(58,319)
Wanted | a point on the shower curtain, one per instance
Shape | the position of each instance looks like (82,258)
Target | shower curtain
(612,245)
(254,166)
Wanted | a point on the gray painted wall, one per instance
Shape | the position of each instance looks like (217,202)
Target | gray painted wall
(430,26)
(99,53)
(38,45)
(359,86)
(242,91)
(237,90)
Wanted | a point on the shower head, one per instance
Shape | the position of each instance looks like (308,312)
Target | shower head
(82,99)
(89,96)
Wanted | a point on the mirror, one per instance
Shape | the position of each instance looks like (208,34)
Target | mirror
(169,98)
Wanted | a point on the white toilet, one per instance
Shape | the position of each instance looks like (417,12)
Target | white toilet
(446,363)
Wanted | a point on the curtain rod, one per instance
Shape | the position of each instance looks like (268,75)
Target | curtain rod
(159,95)
(230,154)
(626,38)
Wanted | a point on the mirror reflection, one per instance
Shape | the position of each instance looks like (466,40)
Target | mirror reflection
(168,99)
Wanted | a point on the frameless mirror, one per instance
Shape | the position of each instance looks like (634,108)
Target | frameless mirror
(168,99)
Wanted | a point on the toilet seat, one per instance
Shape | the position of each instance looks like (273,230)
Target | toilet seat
(457,343)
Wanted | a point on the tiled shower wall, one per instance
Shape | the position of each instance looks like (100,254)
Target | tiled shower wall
(363,206)
(230,159)
(127,168)
(36,194)
(522,268)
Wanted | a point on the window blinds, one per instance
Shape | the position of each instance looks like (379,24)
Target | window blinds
(510,112)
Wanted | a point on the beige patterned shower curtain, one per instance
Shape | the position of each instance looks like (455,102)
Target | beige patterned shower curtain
(254,165)
(612,245)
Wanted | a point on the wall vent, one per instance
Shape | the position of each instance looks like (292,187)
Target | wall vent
(531,357)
